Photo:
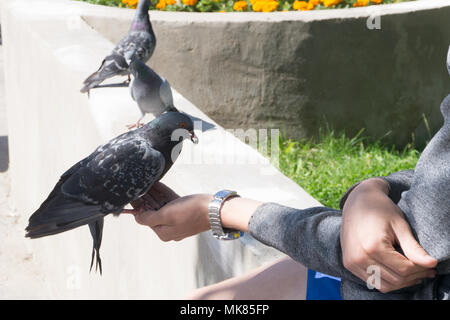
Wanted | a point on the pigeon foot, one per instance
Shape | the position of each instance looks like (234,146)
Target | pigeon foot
(136,125)
(133,211)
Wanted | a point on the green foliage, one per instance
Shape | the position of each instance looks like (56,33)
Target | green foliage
(111,3)
(328,167)
(210,6)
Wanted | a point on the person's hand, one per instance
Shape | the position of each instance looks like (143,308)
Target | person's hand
(175,218)
(158,195)
(372,226)
(172,217)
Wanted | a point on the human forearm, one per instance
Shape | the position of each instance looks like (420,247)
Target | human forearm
(236,213)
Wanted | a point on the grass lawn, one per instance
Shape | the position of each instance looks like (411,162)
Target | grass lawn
(327,167)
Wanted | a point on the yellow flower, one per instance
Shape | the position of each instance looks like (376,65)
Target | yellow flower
(270,6)
(310,6)
(130,3)
(361,3)
(257,5)
(240,6)
(299,5)
(377,1)
(330,3)
(161,5)
(314,2)
(170,2)
(190,2)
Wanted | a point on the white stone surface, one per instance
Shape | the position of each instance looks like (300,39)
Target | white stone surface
(46,60)
(20,276)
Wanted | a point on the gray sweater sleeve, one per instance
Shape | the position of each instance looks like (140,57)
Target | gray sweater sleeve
(398,183)
(309,236)
(312,236)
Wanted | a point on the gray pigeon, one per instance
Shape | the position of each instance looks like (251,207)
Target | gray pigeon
(115,174)
(139,41)
(152,92)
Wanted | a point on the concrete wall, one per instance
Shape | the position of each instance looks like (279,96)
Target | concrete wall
(301,70)
(48,51)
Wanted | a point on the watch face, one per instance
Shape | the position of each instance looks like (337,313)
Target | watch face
(223,193)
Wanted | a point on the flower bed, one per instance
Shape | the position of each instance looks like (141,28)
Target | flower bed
(245,5)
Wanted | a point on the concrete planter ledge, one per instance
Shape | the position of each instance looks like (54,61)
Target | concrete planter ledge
(300,70)
(48,52)
(86,9)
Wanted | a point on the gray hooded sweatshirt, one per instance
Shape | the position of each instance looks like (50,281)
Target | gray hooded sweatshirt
(312,236)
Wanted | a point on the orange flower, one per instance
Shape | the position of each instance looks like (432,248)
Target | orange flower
(300,5)
(330,3)
(310,6)
(240,6)
(257,6)
(190,2)
(130,3)
(270,6)
(377,1)
(161,5)
(361,3)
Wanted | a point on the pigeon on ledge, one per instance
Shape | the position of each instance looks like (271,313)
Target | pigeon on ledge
(115,174)
(139,41)
(152,92)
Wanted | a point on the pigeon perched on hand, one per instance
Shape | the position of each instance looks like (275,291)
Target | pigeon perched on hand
(114,175)
(152,92)
(139,41)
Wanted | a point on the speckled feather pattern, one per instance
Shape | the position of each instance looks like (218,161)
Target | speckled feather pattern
(141,43)
(112,176)
(117,173)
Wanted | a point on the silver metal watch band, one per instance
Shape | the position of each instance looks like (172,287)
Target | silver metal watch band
(214,216)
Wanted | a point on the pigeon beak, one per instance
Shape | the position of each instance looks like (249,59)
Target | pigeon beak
(194,138)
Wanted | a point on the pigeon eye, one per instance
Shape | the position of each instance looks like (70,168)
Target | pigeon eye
(182,125)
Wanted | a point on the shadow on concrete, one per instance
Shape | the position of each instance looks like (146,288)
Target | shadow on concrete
(4,154)
(209,269)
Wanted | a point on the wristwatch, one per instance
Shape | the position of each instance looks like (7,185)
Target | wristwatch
(214,216)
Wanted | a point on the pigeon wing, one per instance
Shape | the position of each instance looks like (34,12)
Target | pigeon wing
(165,93)
(117,175)
(112,65)
(140,43)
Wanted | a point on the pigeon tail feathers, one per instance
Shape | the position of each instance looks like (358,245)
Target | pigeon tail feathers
(96,229)
(92,81)
(59,215)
